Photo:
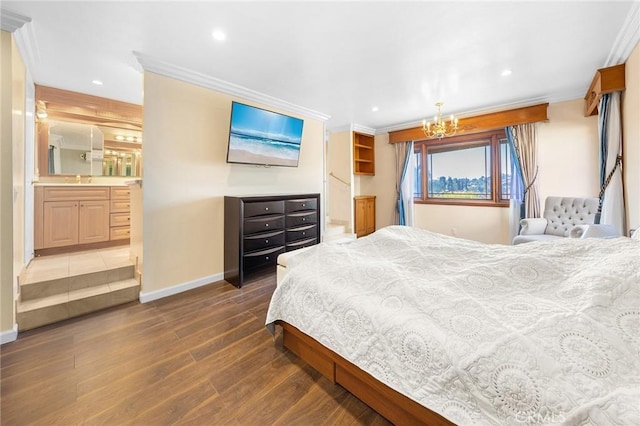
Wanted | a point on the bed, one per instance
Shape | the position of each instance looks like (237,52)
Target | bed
(432,329)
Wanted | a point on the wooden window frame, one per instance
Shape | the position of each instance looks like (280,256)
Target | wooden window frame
(491,138)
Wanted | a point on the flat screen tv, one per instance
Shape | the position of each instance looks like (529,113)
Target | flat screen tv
(258,136)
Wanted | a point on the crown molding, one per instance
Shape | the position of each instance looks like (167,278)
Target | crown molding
(627,38)
(27,46)
(180,73)
(363,129)
(23,35)
(11,21)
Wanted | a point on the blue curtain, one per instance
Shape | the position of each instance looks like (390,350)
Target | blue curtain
(403,218)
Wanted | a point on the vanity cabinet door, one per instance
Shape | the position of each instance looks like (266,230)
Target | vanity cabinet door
(60,223)
(93,222)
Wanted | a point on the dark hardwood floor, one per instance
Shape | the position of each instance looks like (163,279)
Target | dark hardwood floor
(202,357)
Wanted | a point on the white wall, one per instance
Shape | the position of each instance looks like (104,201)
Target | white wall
(568,152)
(339,162)
(6,190)
(185,178)
(12,118)
(383,184)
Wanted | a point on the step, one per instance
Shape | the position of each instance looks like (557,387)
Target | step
(57,307)
(31,290)
(334,229)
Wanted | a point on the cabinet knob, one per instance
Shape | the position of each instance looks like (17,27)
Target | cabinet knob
(266,224)
(304,233)
(266,208)
(267,258)
(304,205)
(304,219)
(266,241)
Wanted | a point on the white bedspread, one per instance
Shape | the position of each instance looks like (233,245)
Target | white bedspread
(538,333)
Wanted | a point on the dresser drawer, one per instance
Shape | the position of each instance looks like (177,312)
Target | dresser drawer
(301,204)
(120,219)
(263,224)
(301,233)
(301,218)
(263,258)
(302,243)
(263,208)
(263,241)
(120,193)
(119,233)
(120,206)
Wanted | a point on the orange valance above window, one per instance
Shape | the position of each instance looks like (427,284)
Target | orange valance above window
(481,123)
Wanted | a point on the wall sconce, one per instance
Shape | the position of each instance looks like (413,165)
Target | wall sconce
(41,110)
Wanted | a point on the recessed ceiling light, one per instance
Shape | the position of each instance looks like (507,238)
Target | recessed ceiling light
(219,35)
(374,109)
(97,82)
(505,73)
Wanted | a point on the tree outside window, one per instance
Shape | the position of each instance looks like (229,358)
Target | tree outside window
(471,169)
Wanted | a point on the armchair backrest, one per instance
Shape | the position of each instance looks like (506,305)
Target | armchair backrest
(563,213)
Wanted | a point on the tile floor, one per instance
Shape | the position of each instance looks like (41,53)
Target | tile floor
(70,264)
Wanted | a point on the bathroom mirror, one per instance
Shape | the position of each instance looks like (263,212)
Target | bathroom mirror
(74,149)
(92,150)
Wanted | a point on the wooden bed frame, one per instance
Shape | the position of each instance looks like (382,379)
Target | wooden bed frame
(394,406)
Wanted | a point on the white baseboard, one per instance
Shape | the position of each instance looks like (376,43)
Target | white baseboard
(9,336)
(179,288)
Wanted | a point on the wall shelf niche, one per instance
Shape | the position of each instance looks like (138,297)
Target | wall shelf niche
(363,154)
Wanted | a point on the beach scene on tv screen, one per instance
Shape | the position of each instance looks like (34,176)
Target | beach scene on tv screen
(258,136)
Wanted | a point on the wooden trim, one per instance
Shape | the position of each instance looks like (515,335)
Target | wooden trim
(491,139)
(481,123)
(79,107)
(396,407)
(606,80)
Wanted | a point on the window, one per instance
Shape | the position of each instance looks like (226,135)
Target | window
(467,170)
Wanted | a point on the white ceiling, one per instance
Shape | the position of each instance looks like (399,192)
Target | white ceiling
(337,58)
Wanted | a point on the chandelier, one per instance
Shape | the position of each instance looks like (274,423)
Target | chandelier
(439,128)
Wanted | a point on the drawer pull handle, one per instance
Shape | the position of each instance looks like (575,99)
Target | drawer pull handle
(266,224)
(304,205)
(266,241)
(267,258)
(304,233)
(304,218)
(266,208)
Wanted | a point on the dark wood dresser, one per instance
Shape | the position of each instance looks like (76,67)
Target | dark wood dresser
(258,229)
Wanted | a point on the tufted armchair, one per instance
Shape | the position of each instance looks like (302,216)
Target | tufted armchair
(564,217)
